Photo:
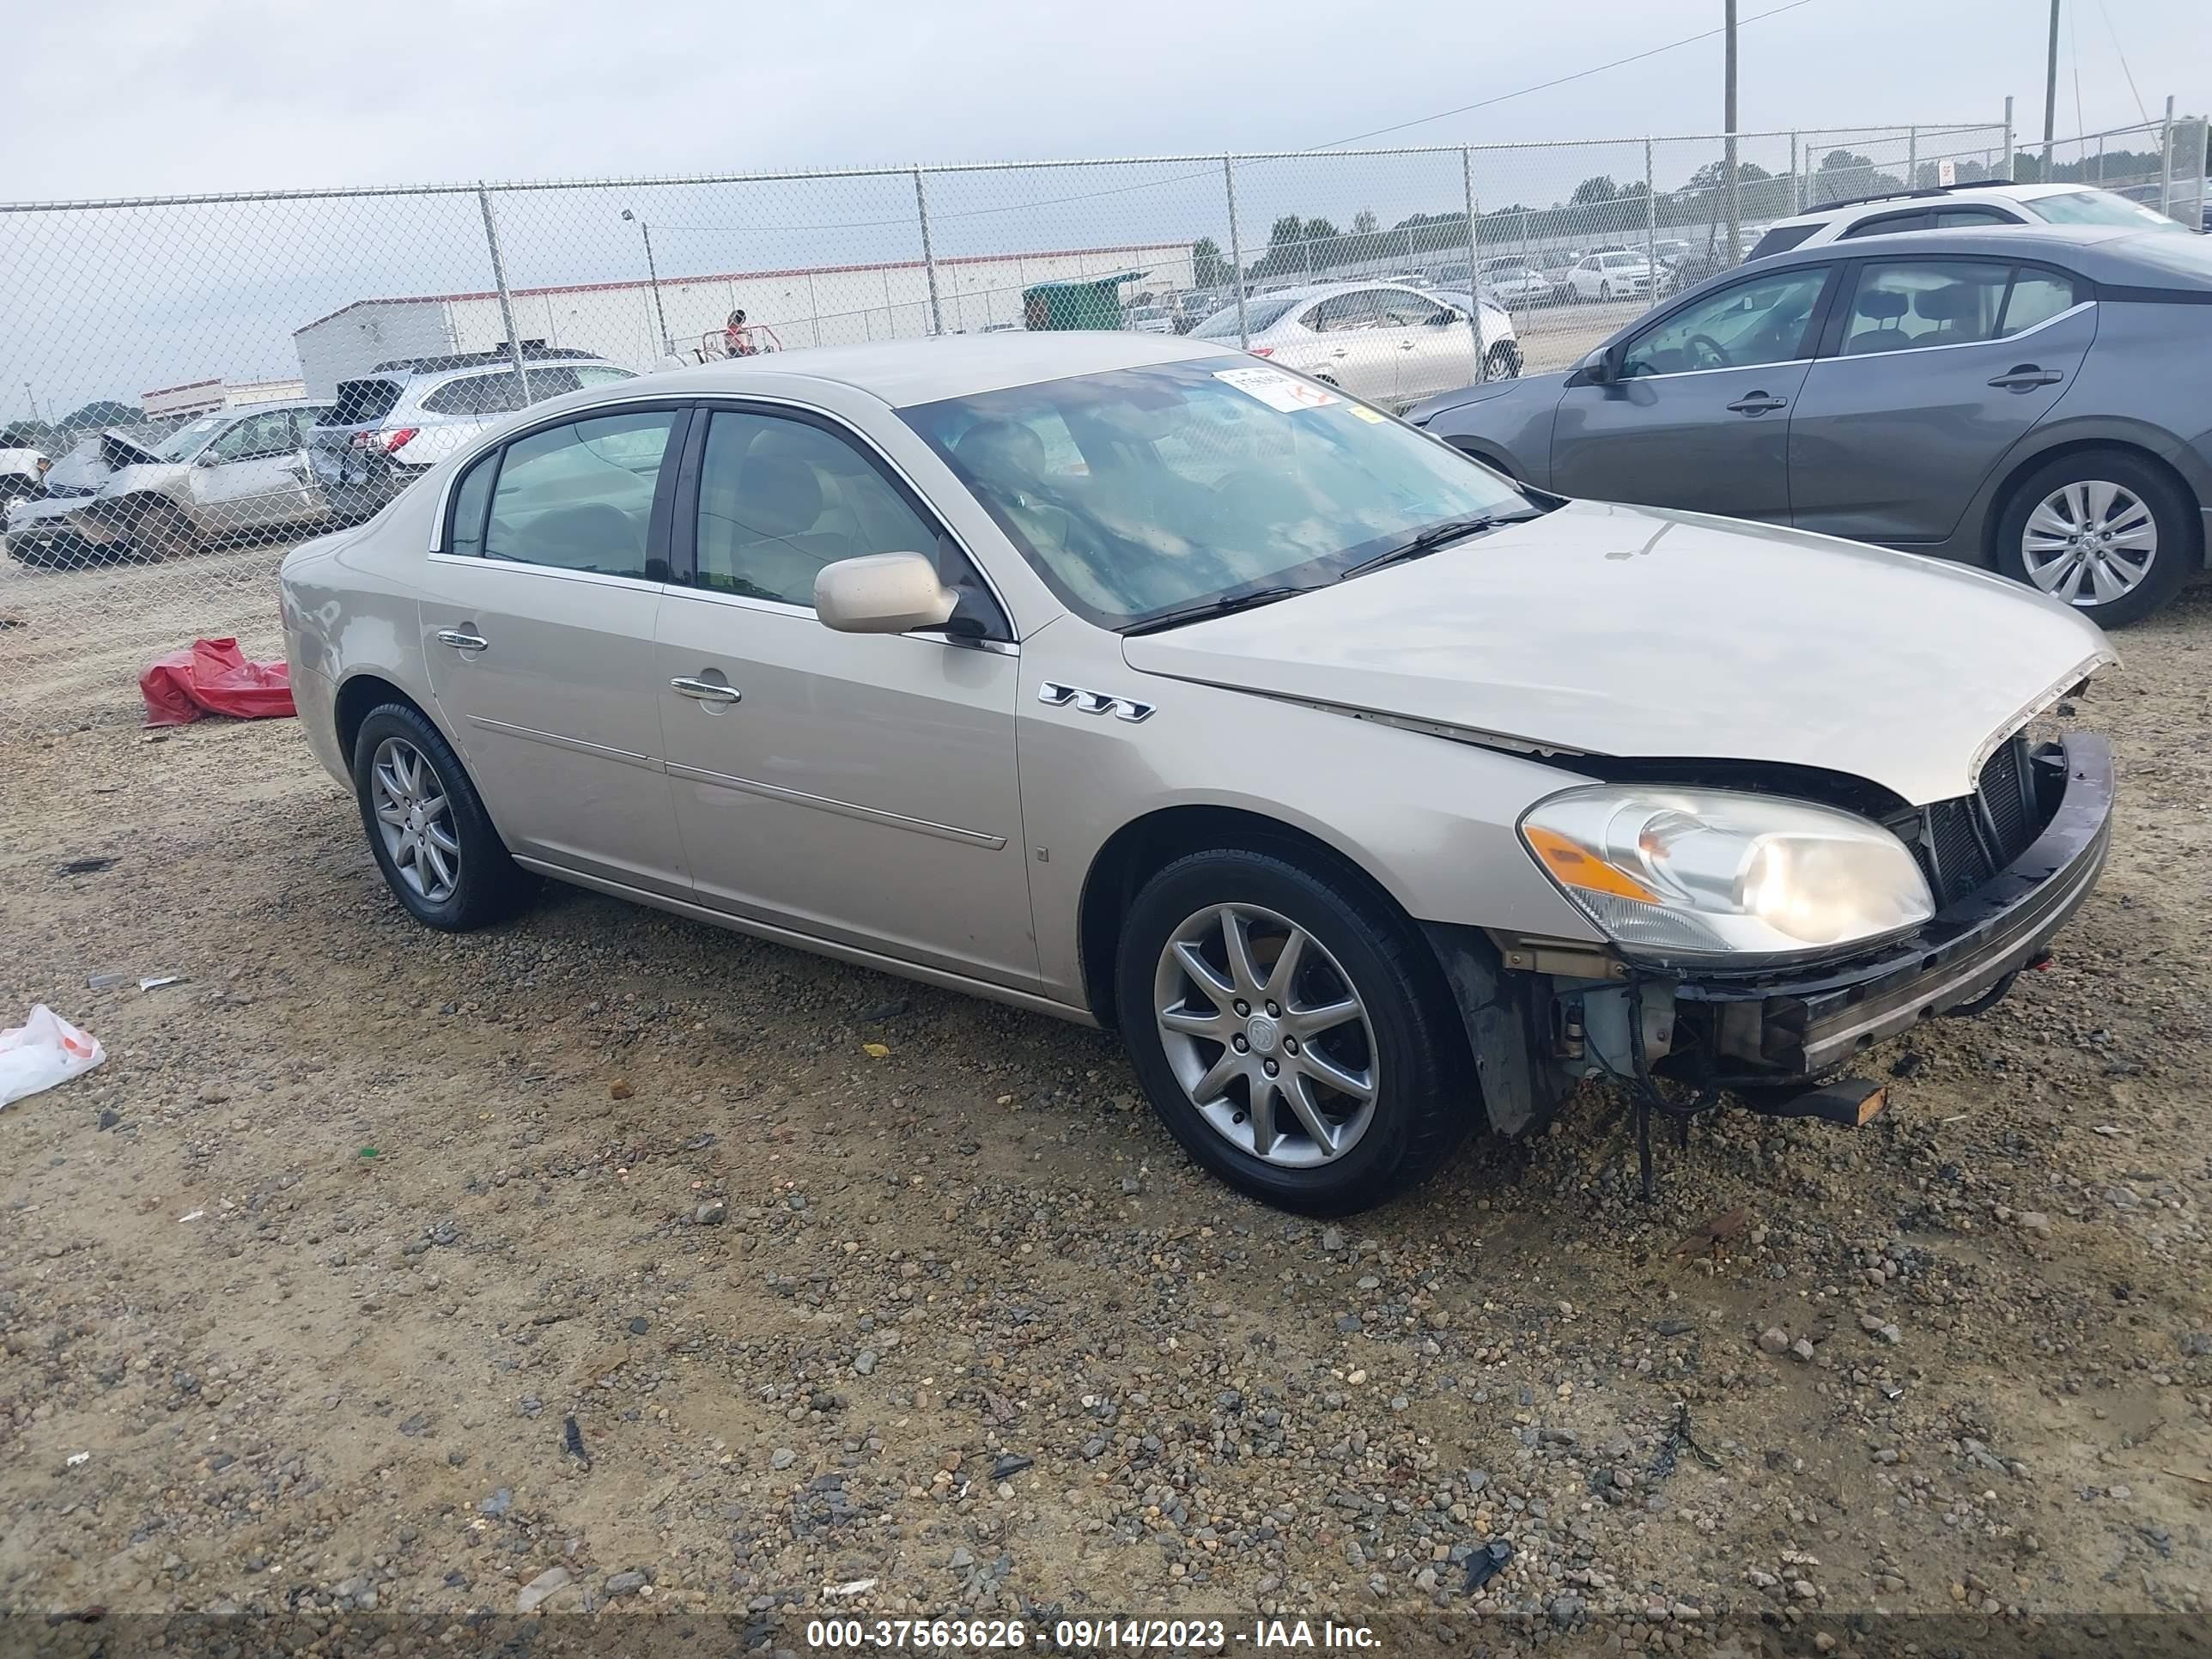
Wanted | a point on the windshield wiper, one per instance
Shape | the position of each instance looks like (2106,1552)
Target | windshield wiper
(1436,536)
(1220,607)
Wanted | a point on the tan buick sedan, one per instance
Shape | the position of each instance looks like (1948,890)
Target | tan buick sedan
(1133,680)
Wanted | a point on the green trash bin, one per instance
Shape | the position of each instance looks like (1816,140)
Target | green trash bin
(1076,302)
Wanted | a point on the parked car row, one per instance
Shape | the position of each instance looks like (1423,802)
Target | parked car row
(155,492)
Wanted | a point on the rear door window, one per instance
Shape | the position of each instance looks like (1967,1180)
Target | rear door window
(1902,304)
(496,393)
(579,496)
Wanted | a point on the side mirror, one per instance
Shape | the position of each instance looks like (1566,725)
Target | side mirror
(1449,315)
(881,594)
(1597,368)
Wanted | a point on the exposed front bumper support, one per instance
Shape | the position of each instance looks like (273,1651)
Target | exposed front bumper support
(1778,1027)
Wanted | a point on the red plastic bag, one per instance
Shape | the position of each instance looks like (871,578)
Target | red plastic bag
(215,677)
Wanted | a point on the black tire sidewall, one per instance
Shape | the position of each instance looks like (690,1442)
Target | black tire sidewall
(2179,555)
(1417,1051)
(488,876)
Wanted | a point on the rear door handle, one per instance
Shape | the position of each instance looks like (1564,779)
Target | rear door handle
(704,690)
(1757,403)
(2026,377)
(461,642)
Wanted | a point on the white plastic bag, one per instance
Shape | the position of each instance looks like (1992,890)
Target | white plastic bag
(45,1051)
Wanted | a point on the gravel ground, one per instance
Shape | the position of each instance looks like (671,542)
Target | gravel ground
(605,1252)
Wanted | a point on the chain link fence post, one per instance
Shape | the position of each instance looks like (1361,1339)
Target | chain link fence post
(1236,249)
(928,257)
(1474,267)
(1912,158)
(2166,160)
(506,296)
(1650,223)
(1796,178)
(2010,176)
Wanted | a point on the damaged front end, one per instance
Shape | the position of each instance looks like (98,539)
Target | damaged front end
(2004,868)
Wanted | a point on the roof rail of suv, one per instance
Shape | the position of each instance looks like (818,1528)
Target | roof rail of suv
(1906,195)
(532,350)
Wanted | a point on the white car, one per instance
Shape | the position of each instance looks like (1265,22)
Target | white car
(1384,341)
(22,473)
(1511,283)
(1961,207)
(1616,275)
(1148,319)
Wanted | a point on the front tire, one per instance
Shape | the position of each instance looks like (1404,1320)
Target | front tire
(427,826)
(1502,362)
(2106,532)
(160,530)
(1354,1087)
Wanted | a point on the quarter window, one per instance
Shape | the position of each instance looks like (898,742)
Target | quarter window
(471,497)
(1760,321)
(577,497)
(779,499)
(498,393)
(2036,297)
(1900,304)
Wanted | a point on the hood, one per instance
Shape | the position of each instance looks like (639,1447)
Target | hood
(1543,388)
(1633,632)
(119,449)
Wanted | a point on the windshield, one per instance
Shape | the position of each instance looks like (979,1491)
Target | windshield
(2100,207)
(187,441)
(1146,490)
(1258,314)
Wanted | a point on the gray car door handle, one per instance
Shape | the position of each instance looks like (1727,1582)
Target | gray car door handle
(2026,377)
(461,642)
(1757,403)
(704,690)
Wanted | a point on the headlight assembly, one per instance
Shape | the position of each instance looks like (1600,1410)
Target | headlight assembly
(1713,875)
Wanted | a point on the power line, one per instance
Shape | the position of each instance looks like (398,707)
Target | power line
(1579,75)
(2112,31)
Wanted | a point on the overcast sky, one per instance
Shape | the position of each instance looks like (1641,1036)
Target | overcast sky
(113,97)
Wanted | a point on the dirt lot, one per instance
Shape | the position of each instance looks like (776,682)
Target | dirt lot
(303,1288)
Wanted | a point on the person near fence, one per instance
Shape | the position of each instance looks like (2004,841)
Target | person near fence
(737,339)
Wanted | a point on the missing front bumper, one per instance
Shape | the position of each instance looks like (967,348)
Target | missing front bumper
(1771,1027)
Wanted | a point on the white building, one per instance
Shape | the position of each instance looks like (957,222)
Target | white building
(208,397)
(621,321)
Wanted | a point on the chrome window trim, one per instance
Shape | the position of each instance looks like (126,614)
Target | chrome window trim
(598,578)
(1688,374)
(1841,356)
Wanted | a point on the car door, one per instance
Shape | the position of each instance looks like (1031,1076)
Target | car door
(857,789)
(1436,349)
(538,618)
(1696,412)
(249,477)
(311,503)
(1352,348)
(1930,371)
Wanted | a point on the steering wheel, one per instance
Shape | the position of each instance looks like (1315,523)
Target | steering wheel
(1705,351)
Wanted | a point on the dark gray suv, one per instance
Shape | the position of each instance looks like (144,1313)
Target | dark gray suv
(2032,400)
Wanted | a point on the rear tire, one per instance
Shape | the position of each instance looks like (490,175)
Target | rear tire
(2100,492)
(430,835)
(1404,1043)
(1502,361)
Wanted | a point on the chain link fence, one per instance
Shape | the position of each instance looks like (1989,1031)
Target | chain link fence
(193,384)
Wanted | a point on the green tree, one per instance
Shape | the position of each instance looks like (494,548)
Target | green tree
(1363,222)
(105,411)
(1207,268)
(1598,187)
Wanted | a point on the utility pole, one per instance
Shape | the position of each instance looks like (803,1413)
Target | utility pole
(2049,92)
(652,275)
(1734,216)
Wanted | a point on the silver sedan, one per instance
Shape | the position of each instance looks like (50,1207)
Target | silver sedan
(1124,679)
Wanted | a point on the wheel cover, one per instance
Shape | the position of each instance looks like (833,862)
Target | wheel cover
(414,817)
(2089,543)
(1267,1036)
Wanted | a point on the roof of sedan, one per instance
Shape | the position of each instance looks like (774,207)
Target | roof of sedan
(907,372)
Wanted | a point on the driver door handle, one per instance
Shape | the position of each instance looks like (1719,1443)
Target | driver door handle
(1757,403)
(2026,377)
(704,690)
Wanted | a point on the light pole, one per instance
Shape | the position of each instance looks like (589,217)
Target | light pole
(2049,92)
(652,275)
(1728,147)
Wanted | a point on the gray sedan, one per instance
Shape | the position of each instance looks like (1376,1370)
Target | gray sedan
(2031,400)
(1126,678)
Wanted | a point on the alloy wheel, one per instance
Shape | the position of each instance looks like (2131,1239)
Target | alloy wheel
(1267,1035)
(416,820)
(2089,543)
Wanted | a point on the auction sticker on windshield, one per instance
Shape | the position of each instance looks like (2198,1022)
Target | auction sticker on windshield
(1276,389)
